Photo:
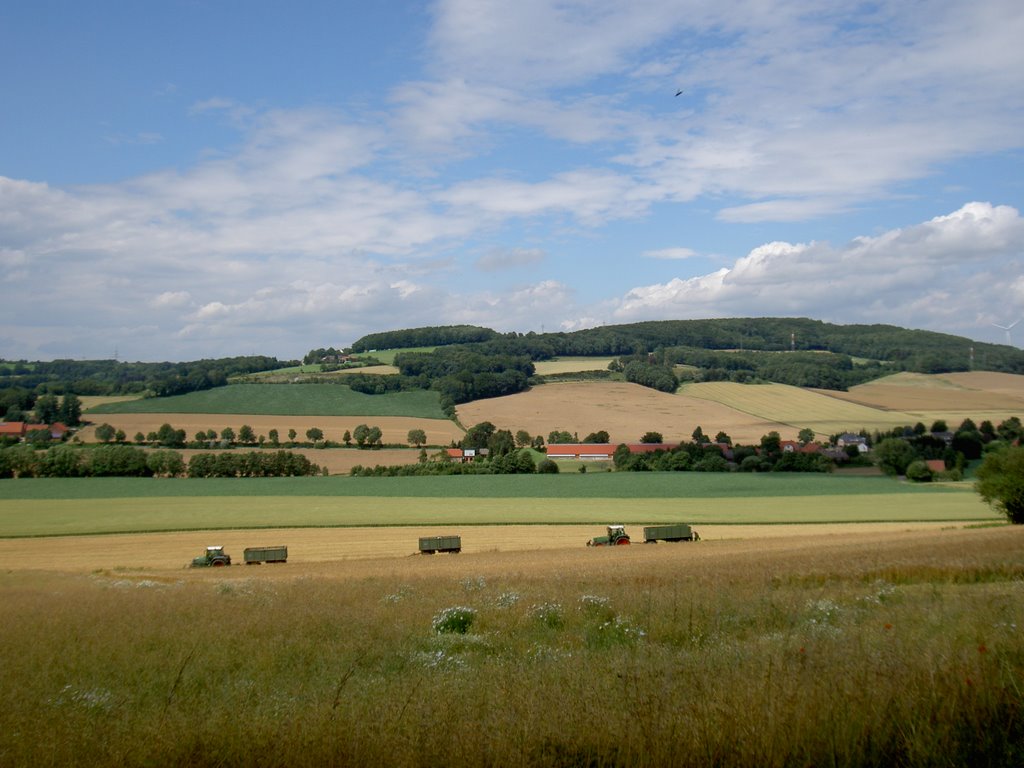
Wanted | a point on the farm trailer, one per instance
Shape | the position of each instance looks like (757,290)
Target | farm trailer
(431,544)
(260,555)
(678,532)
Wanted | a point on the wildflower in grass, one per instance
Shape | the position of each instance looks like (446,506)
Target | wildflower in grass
(548,614)
(616,631)
(456,620)
(507,599)
(473,583)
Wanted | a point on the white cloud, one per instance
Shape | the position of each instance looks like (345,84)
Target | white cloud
(670,254)
(496,259)
(951,273)
(171,299)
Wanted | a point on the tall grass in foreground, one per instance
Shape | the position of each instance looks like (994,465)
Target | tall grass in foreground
(603,658)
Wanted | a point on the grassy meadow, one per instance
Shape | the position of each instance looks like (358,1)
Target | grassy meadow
(860,651)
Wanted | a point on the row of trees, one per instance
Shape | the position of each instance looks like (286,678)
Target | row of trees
(68,460)
(364,436)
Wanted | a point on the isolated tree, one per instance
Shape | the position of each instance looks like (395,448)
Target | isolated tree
(374,437)
(47,409)
(806,436)
(416,437)
(939,425)
(70,410)
(291,435)
(652,437)
(347,437)
(1000,481)
(698,436)
(120,436)
(315,434)
(723,438)
(246,435)
(501,443)
(894,455)
(478,436)
(227,435)
(273,437)
(523,438)
(361,433)
(139,438)
(105,433)
(771,445)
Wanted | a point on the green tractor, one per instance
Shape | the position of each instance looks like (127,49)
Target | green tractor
(616,536)
(214,557)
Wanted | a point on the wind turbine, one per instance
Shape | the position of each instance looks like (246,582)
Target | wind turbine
(1007,328)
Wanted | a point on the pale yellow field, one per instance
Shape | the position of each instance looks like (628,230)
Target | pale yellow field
(625,411)
(572,365)
(171,552)
(995,396)
(394,429)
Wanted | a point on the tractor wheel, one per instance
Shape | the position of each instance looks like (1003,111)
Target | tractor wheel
(620,542)
(218,563)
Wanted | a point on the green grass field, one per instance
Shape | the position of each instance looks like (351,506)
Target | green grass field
(286,400)
(48,507)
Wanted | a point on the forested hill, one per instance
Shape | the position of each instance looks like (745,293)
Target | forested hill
(898,348)
(431,336)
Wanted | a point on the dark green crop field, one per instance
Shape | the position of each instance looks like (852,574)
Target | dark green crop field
(286,400)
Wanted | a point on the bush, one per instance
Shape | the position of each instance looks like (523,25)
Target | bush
(454,621)
(547,467)
(918,472)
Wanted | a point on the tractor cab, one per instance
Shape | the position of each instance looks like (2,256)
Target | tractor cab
(215,557)
(616,536)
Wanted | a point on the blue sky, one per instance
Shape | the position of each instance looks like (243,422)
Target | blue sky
(209,178)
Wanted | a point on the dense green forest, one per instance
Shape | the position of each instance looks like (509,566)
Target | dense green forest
(900,348)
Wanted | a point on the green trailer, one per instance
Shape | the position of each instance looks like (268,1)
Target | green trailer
(259,555)
(676,532)
(432,544)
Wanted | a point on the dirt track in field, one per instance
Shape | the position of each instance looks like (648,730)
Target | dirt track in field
(165,552)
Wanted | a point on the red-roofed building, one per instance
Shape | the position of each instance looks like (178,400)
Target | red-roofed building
(791,446)
(12,429)
(593,451)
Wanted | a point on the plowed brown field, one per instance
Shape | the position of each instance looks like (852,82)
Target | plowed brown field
(309,547)
(625,411)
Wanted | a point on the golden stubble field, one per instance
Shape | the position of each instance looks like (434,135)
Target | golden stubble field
(980,392)
(372,550)
(626,411)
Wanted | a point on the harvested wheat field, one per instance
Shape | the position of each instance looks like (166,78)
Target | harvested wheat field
(308,547)
(394,429)
(625,411)
(980,395)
